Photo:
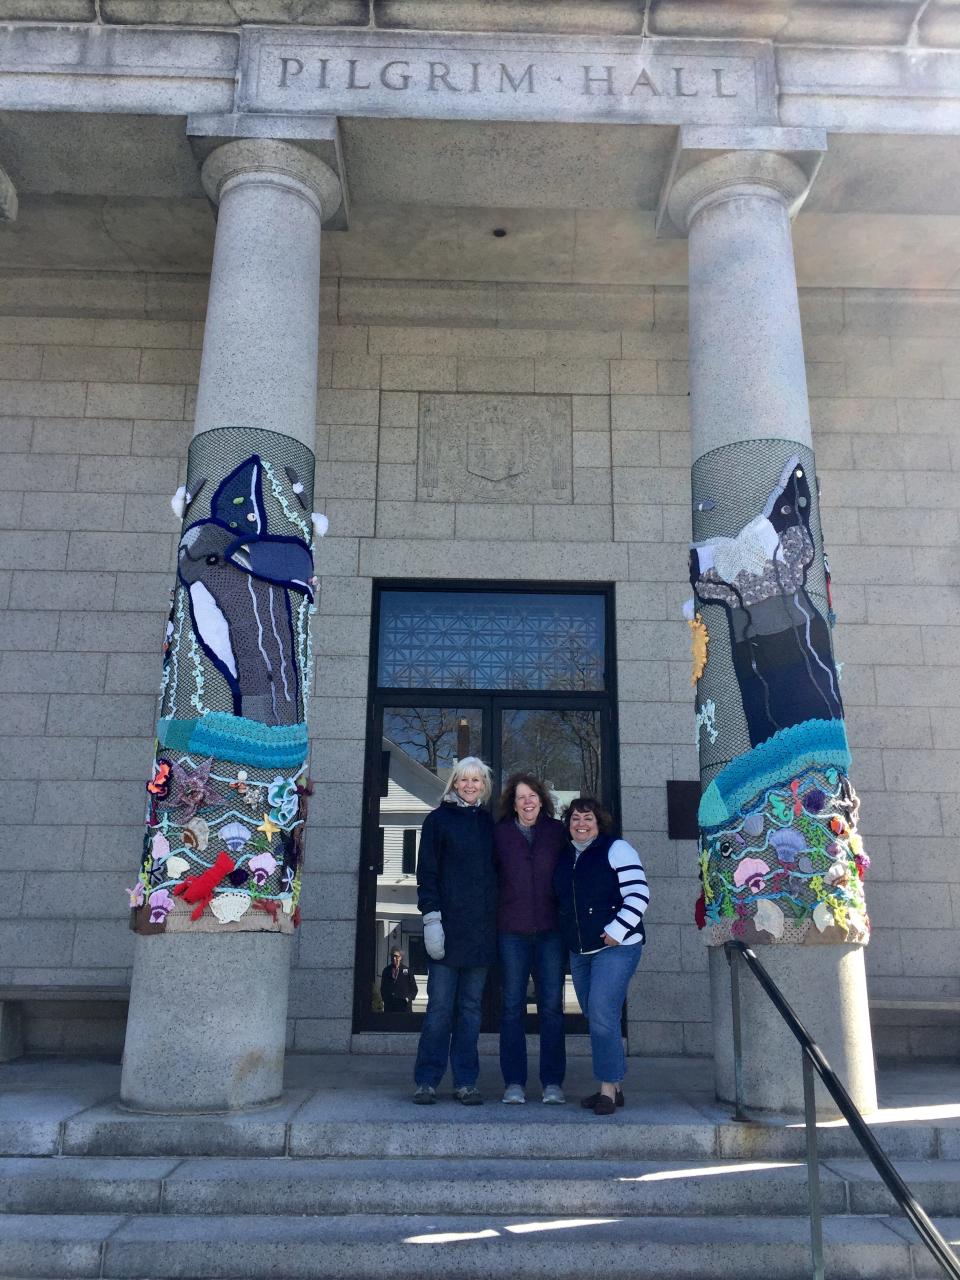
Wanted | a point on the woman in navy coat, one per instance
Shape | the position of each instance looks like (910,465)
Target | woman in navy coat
(456,893)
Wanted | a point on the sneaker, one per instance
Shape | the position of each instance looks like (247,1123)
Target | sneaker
(469,1095)
(553,1095)
(514,1093)
(425,1094)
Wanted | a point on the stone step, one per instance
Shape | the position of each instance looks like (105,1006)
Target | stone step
(93,1185)
(328,1124)
(456,1247)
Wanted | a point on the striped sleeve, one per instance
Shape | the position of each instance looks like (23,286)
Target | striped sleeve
(633,889)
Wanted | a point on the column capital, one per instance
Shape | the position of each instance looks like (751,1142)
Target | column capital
(260,157)
(712,164)
(8,199)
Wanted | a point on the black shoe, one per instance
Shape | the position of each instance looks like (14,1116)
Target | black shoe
(590,1103)
(469,1095)
(425,1094)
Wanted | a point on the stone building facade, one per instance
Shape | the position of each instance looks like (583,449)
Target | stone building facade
(578,312)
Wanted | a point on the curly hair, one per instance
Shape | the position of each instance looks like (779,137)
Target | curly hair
(588,804)
(508,795)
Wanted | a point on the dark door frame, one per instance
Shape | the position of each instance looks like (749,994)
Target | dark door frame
(491,703)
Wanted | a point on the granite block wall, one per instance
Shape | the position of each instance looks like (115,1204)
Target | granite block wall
(96,398)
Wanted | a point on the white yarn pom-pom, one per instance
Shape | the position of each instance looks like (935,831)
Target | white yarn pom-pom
(320,523)
(688,610)
(179,502)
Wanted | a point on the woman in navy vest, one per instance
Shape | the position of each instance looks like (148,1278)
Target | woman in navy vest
(602,893)
(527,842)
(457,894)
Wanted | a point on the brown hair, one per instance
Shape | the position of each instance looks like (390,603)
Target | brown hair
(588,804)
(508,795)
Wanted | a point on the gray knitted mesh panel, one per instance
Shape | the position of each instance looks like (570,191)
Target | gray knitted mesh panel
(213,455)
(739,478)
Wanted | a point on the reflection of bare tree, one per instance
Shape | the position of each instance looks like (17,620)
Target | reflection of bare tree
(562,747)
(433,736)
(584,666)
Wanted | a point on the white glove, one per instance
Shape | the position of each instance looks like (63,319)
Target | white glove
(433,935)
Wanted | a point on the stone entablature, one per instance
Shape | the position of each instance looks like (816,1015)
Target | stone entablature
(422,75)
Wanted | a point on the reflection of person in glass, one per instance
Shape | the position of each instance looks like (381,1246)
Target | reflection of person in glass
(398,986)
(602,892)
(527,842)
(456,892)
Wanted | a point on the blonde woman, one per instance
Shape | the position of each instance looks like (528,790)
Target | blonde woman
(457,895)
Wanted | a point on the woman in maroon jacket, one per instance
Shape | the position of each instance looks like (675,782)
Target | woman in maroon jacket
(527,842)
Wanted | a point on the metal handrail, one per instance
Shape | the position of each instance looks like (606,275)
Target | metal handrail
(813,1060)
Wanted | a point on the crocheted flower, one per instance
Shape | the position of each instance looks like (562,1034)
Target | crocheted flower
(136,895)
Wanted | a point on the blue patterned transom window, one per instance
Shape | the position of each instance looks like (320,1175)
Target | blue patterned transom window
(490,640)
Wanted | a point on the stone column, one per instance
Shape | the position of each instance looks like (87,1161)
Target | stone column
(216,899)
(780,858)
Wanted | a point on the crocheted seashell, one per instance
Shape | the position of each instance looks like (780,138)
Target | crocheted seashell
(228,907)
(753,825)
(234,835)
(788,844)
(196,833)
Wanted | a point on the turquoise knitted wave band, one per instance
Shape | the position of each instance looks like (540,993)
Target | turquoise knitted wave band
(237,739)
(813,742)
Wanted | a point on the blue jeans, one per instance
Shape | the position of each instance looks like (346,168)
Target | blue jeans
(542,955)
(601,982)
(451,1026)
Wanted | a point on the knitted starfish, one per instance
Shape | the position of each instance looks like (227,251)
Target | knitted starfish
(192,789)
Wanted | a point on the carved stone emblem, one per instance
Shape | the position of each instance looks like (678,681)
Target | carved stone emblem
(494,448)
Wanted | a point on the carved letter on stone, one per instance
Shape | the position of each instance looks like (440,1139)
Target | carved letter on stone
(515,84)
(643,81)
(391,84)
(680,91)
(439,74)
(352,78)
(589,81)
(718,77)
(286,72)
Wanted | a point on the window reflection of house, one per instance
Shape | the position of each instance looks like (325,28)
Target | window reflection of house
(411,791)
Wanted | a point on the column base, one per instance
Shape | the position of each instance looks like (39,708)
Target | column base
(207,1022)
(827,988)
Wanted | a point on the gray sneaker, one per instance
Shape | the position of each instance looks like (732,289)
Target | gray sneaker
(553,1095)
(514,1093)
(425,1094)
(469,1095)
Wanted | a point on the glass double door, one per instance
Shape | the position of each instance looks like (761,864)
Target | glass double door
(415,739)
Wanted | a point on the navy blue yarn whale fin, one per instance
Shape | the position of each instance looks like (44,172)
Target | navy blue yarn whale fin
(238,500)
